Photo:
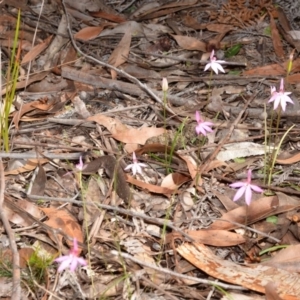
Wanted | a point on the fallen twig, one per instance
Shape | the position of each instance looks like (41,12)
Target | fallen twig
(118,71)
(16,289)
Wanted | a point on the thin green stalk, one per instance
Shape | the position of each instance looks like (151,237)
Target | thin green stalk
(13,73)
(276,154)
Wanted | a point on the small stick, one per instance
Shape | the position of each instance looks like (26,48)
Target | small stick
(16,288)
(118,71)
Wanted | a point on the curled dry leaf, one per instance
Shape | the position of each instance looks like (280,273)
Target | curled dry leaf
(259,209)
(22,219)
(150,187)
(217,238)
(125,133)
(89,33)
(36,50)
(62,219)
(30,165)
(121,52)
(253,277)
(189,43)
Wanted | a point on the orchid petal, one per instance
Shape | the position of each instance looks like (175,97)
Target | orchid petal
(239,193)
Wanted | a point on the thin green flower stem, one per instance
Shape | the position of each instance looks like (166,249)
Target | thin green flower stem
(165,127)
(277,124)
(86,226)
(266,143)
(273,157)
(276,153)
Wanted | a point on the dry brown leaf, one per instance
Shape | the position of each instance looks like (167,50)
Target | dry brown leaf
(23,220)
(189,43)
(218,238)
(274,69)
(258,210)
(294,78)
(221,28)
(287,259)
(39,183)
(30,165)
(124,133)
(108,16)
(26,107)
(253,277)
(150,187)
(189,21)
(36,50)
(62,219)
(174,180)
(92,194)
(291,160)
(121,52)
(89,33)
(192,167)
(216,164)
(24,253)
(278,48)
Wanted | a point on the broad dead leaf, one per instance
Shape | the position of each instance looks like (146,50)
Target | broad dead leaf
(108,16)
(121,52)
(174,180)
(294,158)
(278,48)
(30,165)
(287,259)
(193,168)
(62,219)
(218,238)
(258,210)
(150,187)
(23,220)
(39,183)
(274,69)
(36,50)
(189,43)
(253,277)
(124,133)
(89,33)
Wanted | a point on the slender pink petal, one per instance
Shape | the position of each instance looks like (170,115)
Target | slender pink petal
(216,66)
(64,264)
(249,176)
(136,167)
(240,192)
(73,264)
(248,195)
(281,88)
(280,98)
(134,157)
(129,167)
(207,66)
(72,260)
(237,184)
(164,84)
(245,188)
(256,188)
(198,118)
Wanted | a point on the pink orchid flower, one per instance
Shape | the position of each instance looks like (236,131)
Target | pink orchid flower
(245,187)
(280,97)
(202,127)
(215,64)
(72,260)
(136,167)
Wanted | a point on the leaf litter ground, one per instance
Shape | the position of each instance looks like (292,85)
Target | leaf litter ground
(90,88)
